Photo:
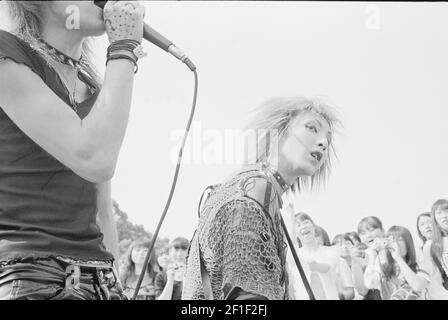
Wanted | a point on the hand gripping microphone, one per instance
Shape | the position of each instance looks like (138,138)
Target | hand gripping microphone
(157,39)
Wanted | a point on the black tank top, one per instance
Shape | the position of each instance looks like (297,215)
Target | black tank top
(46,210)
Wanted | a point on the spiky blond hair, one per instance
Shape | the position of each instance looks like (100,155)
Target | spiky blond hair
(276,115)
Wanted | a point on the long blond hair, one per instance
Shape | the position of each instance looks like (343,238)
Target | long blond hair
(26,21)
(276,115)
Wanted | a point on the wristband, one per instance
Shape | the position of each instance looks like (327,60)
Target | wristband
(122,56)
(129,45)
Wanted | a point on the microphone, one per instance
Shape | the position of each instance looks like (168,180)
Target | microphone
(160,41)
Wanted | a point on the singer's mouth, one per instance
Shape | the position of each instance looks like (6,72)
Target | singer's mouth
(317,155)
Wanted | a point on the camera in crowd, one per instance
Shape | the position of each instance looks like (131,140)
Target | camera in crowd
(382,243)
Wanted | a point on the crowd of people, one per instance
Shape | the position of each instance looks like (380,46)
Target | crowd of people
(59,147)
(374,263)
(371,263)
(164,273)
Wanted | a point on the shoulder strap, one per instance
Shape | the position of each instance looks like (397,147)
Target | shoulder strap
(206,283)
(19,51)
(267,196)
(211,188)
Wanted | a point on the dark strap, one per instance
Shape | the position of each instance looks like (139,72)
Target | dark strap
(206,283)
(267,196)
(211,188)
(291,246)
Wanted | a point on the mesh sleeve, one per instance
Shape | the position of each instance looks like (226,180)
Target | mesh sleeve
(250,256)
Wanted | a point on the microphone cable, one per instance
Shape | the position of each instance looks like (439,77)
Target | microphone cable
(173,185)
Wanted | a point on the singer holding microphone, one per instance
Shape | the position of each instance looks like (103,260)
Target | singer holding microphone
(61,130)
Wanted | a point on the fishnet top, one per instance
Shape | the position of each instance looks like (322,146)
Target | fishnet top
(240,240)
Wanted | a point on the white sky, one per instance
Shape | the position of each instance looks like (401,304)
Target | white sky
(389,84)
(388,77)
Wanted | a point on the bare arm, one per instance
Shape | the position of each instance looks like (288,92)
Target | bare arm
(167,292)
(344,280)
(89,147)
(168,286)
(416,282)
(372,277)
(358,277)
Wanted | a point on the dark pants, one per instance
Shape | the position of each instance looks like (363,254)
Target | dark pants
(52,279)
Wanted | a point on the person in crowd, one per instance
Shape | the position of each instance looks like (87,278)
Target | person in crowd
(169,282)
(337,240)
(424,231)
(396,274)
(350,253)
(61,132)
(359,248)
(435,251)
(424,227)
(133,266)
(369,229)
(322,236)
(239,241)
(163,256)
(356,240)
(328,274)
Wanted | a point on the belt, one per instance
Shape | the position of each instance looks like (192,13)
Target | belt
(56,271)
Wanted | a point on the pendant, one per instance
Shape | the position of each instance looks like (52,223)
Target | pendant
(85,77)
(73,102)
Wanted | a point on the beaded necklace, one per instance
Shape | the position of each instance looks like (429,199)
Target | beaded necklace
(80,65)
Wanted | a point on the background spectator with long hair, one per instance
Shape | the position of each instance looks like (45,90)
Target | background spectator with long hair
(133,266)
(435,251)
(350,254)
(169,282)
(369,229)
(424,231)
(396,273)
(424,227)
